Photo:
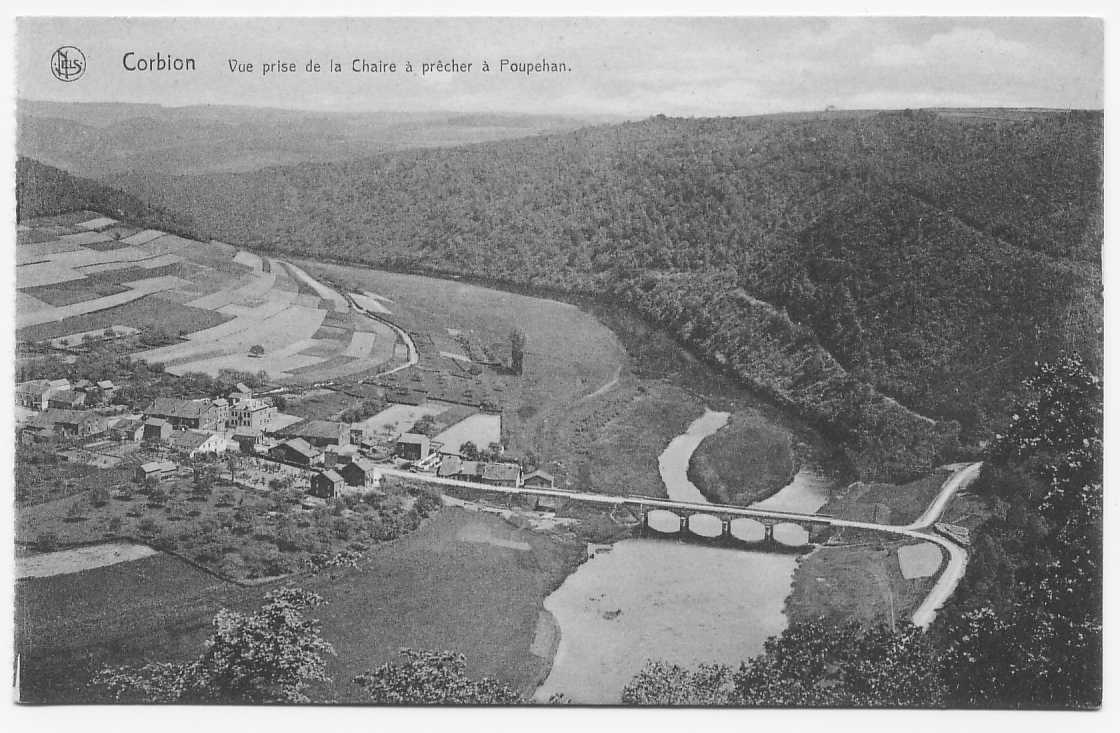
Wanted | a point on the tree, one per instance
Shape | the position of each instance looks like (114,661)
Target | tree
(269,656)
(256,350)
(469,450)
(1025,629)
(77,511)
(99,496)
(516,350)
(46,542)
(660,683)
(808,665)
(433,678)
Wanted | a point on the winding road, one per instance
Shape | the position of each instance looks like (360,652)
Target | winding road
(413,353)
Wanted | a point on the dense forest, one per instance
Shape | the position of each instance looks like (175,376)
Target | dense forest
(864,270)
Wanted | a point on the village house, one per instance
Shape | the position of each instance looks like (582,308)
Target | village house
(338,455)
(251,414)
(127,430)
(36,431)
(186,414)
(413,446)
(449,467)
(247,440)
(221,407)
(67,424)
(69,399)
(107,389)
(326,484)
(550,503)
(191,443)
(318,433)
(470,471)
(36,394)
(156,430)
(361,472)
(296,451)
(539,480)
(501,474)
(157,470)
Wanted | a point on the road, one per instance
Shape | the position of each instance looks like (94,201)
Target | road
(946,583)
(413,354)
(963,476)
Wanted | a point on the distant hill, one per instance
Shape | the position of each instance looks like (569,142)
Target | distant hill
(852,265)
(100,139)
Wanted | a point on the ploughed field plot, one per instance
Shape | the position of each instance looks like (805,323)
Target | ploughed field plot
(199,306)
(482,430)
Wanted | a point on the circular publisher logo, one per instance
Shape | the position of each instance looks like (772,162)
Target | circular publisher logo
(68,63)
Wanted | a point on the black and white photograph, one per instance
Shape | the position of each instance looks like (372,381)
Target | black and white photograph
(735,361)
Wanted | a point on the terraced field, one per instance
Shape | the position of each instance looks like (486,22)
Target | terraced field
(85,272)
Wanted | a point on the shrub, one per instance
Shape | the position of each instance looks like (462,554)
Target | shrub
(46,542)
(76,512)
(99,496)
(428,500)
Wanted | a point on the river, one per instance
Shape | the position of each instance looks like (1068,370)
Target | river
(679,602)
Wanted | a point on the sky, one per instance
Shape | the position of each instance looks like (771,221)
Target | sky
(624,66)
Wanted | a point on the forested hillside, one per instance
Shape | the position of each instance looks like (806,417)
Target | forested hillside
(42,191)
(830,262)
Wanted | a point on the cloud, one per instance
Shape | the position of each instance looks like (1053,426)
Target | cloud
(960,48)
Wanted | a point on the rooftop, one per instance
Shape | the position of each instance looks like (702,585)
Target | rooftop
(414,439)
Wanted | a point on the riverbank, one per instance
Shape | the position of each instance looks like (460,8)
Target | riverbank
(861,579)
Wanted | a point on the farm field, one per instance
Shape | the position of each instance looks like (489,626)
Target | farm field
(482,430)
(396,419)
(206,303)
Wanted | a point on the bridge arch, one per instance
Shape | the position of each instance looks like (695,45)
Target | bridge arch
(791,534)
(746,529)
(707,526)
(663,521)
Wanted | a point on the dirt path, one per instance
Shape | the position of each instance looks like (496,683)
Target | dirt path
(605,388)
